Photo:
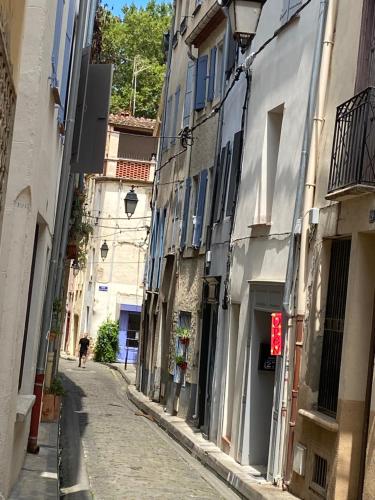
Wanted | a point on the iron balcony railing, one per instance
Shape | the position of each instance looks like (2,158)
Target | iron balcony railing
(353,152)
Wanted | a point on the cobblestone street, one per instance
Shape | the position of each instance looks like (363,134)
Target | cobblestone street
(111,451)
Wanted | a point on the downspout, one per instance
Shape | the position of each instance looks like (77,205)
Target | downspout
(304,201)
(59,219)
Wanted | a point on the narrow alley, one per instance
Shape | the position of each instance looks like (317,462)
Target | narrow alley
(109,450)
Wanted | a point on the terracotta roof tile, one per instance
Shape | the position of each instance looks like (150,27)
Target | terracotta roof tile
(126,120)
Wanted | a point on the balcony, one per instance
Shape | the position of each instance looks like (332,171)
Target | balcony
(353,155)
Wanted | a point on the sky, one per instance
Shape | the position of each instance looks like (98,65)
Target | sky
(117,4)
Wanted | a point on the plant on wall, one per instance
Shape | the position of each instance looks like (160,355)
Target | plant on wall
(183,334)
(80,230)
(107,343)
(181,362)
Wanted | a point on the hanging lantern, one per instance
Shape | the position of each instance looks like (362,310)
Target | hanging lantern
(243,16)
(76,267)
(131,200)
(276,334)
(104,250)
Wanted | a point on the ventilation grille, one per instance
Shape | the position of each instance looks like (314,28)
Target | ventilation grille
(319,478)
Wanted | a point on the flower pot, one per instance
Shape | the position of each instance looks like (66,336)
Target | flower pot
(183,366)
(50,408)
(184,340)
(72,251)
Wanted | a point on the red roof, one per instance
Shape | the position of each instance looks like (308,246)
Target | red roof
(124,119)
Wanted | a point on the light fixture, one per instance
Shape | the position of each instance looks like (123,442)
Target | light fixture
(104,250)
(131,200)
(76,267)
(243,16)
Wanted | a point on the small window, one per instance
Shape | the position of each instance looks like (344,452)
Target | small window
(219,71)
(319,477)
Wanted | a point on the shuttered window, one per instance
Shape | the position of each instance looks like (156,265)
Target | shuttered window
(167,124)
(153,249)
(232,55)
(211,81)
(185,216)
(56,42)
(175,115)
(234,172)
(199,215)
(66,63)
(201,79)
(188,94)
(289,8)
(160,256)
(222,182)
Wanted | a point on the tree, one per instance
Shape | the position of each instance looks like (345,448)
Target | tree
(135,42)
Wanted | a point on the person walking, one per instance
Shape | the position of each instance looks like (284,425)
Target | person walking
(84,344)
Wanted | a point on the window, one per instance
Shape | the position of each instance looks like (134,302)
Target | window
(199,209)
(270,155)
(219,71)
(175,115)
(211,79)
(234,173)
(56,42)
(319,477)
(334,327)
(166,123)
(176,216)
(289,8)
(66,63)
(201,83)
(185,216)
(221,182)
(188,94)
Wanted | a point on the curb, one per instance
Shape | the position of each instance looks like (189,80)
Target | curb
(235,475)
(124,375)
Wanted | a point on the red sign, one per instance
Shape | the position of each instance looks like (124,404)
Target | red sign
(276,332)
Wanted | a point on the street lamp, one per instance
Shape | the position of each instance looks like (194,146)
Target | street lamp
(131,200)
(76,267)
(104,250)
(243,16)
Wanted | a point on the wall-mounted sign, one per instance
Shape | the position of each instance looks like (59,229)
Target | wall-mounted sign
(267,362)
(276,332)
(103,288)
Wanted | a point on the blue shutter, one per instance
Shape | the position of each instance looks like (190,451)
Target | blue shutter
(56,42)
(200,89)
(185,216)
(154,240)
(66,64)
(175,216)
(161,247)
(188,94)
(211,81)
(199,216)
(175,115)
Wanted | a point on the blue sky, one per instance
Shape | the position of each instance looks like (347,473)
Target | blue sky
(117,4)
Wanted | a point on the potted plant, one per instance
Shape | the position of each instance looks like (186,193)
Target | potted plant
(183,334)
(181,363)
(80,230)
(52,401)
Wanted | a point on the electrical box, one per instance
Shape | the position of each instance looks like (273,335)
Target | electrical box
(299,459)
(314,216)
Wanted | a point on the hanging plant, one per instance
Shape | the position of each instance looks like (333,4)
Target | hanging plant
(183,334)
(181,363)
(80,230)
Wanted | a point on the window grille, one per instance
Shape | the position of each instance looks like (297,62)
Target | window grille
(319,477)
(334,327)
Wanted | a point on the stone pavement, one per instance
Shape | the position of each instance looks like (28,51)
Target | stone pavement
(39,475)
(126,455)
(245,479)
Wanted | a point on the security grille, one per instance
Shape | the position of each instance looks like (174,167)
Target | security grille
(319,477)
(334,327)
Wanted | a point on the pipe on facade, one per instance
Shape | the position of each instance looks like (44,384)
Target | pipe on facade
(305,199)
(58,228)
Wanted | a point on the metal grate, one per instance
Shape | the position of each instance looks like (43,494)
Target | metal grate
(353,151)
(334,327)
(320,472)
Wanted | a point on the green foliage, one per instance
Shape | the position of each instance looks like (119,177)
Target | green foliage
(182,332)
(107,343)
(180,360)
(137,37)
(56,387)
(80,229)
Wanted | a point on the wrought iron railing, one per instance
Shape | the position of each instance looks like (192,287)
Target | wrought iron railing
(353,152)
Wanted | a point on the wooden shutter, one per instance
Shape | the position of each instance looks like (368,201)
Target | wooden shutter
(294,5)
(83,77)
(234,172)
(199,216)
(66,63)
(153,252)
(201,79)
(232,54)
(219,179)
(175,216)
(175,115)
(185,216)
(166,124)
(161,247)
(211,81)
(225,179)
(222,182)
(188,94)
(56,42)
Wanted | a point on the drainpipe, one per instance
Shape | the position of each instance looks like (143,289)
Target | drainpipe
(63,188)
(304,201)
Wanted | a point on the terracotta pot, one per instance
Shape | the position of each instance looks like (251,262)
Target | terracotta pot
(184,340)
(183,366)
(51,408)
